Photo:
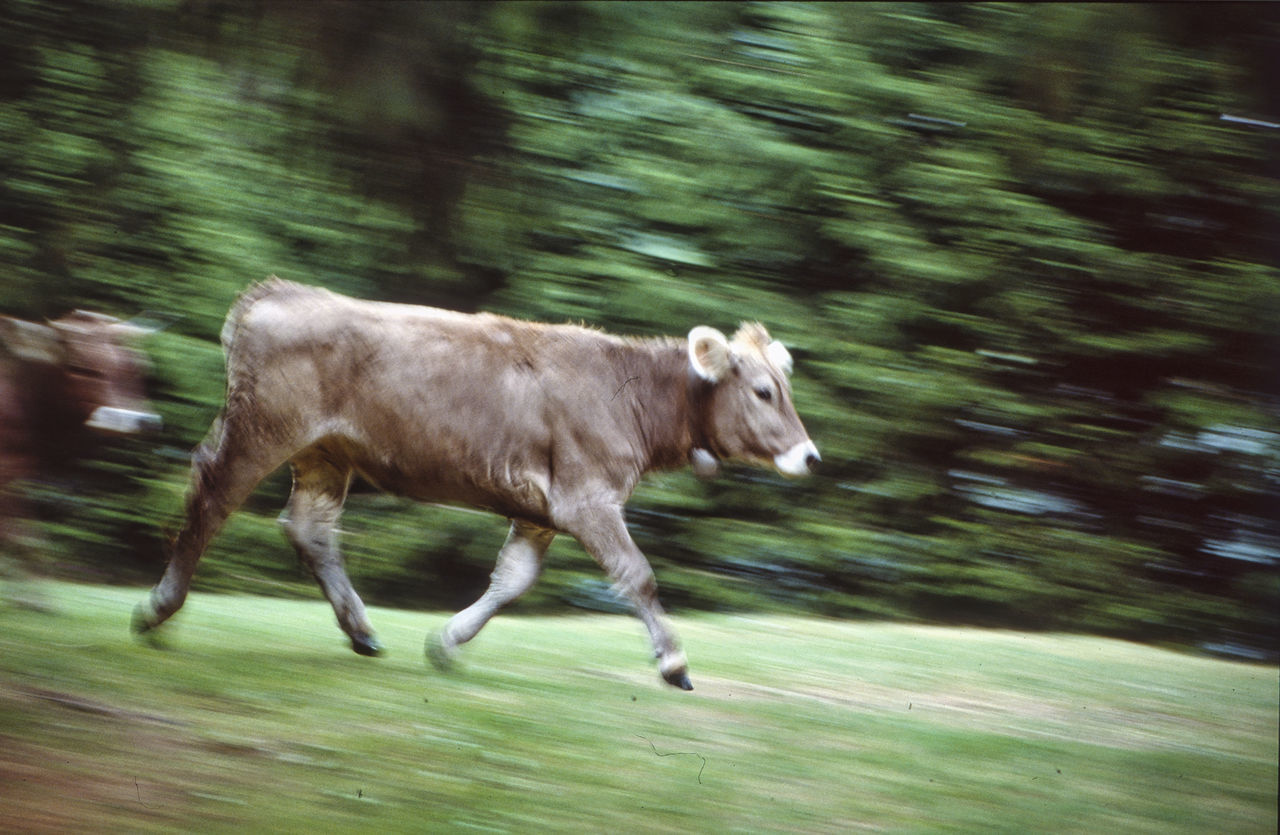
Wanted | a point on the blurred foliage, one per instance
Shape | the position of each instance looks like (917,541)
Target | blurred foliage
(1025,266)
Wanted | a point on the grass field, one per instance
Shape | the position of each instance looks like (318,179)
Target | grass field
(257,718)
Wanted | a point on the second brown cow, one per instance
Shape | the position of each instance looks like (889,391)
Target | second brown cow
(63,385)
(551,426)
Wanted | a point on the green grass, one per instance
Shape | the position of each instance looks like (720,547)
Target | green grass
(258,718)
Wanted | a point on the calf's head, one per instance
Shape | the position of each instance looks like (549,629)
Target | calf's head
(747,411)
(101,374)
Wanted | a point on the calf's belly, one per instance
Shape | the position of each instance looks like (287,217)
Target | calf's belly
(510,491)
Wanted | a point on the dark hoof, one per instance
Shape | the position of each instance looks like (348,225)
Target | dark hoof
(439,657)
(366,645)
(679,678)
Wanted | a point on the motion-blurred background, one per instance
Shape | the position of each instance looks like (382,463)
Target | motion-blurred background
(1024,256)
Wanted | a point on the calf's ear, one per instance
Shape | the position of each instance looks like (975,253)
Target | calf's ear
(29,341)
(147,323)
(779,356)
(709,354)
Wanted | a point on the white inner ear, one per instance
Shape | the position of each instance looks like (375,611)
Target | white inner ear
(138,326)
(779,356)
(708,353)
(29,341)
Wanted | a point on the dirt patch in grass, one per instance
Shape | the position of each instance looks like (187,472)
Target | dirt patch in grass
(104,769)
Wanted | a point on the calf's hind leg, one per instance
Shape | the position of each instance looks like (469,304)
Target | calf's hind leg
(224,471)
(310,522)
(519,563)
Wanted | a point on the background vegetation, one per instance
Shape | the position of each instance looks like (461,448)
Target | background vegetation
(1023,254)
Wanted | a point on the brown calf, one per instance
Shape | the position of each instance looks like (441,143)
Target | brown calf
(551,426)
(61,385)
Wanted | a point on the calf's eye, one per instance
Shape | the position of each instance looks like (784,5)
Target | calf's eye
(85,371)
(764,393)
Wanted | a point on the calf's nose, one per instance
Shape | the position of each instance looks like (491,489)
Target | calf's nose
(123,421)
(799,460)
(812,460)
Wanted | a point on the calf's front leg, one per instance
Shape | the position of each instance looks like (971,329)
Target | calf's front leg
(519,563)
(603,533)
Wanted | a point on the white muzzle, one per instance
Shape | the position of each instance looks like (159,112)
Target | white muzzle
(124,421)
(799,460)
